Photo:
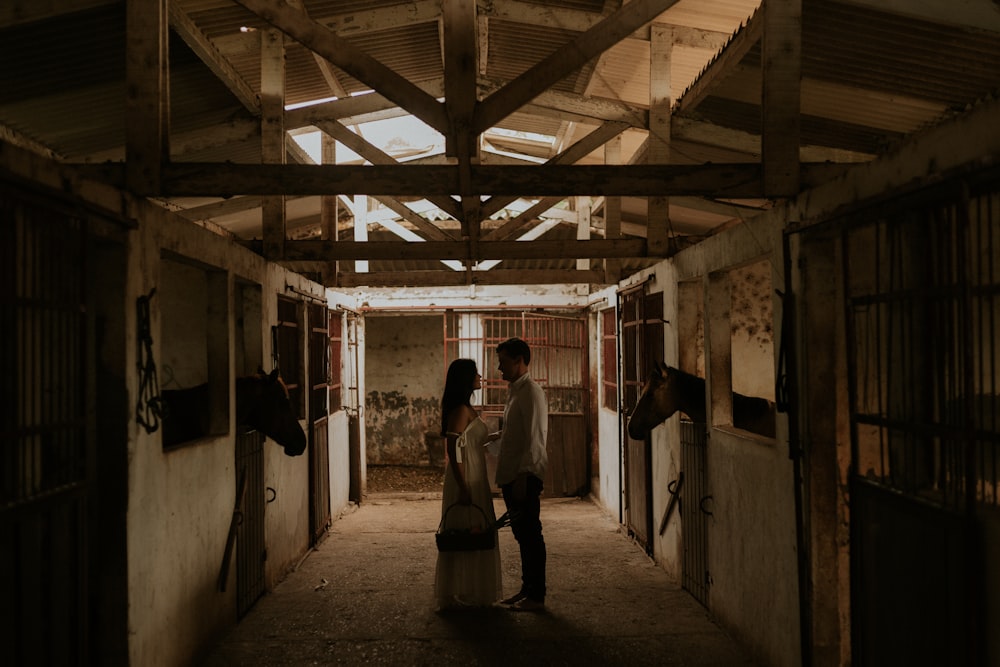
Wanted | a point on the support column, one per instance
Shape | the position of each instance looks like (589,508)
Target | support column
(272,137)
(658,214)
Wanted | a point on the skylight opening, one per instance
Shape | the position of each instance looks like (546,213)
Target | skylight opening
(535,137)
(404,138)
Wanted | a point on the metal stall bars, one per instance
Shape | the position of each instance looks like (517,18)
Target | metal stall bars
(559,363)
(47,456)
(922,329)
(642,344)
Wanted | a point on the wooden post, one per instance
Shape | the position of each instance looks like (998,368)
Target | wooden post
(658,213)
(147,103)
(272,136)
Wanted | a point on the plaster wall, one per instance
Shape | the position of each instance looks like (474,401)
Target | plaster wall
(404,379)
(752,327)
(751,545)
(174,530)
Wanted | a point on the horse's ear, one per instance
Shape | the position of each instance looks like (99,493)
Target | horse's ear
(664,371)
(260,371)
(275,374)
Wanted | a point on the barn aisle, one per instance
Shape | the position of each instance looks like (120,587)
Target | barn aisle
(364,596)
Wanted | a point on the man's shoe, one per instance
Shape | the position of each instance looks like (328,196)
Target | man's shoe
(527,604)
(513,599)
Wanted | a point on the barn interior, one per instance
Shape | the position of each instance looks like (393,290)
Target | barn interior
(796,200)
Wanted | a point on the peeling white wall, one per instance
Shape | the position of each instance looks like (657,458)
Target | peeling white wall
(404,379)
(607,487)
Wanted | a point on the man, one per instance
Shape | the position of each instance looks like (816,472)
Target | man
(521,469)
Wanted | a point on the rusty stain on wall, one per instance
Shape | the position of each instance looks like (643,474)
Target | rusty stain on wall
(404,375)
(750,307)
(395,427)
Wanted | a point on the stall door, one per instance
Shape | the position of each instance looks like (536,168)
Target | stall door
(46,456)
(319,445)
(642,345)
(250,501)
(923,298)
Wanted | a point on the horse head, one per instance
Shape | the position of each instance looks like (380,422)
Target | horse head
(656,403)
(262,403)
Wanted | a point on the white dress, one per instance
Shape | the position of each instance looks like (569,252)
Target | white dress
(469,577)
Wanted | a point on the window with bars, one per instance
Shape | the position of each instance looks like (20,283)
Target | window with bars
(923,290)
(558,354)
(609,359)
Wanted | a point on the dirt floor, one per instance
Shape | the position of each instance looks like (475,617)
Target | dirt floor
(396,479)
(365,596)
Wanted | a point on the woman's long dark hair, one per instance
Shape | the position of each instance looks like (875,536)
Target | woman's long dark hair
(457,388)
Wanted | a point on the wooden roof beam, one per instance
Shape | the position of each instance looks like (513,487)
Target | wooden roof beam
(567,59)
(484,250)
(352,60)
(447,278)
(577,151)
(217,179)
(377,156)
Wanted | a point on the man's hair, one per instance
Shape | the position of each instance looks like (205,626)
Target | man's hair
(514,348)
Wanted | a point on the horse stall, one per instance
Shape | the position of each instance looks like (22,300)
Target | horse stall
(711,502)
(142,475)
(273,492)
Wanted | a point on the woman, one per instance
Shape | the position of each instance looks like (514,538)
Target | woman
(465,578)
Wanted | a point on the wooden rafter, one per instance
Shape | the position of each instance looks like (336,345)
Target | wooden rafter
(352,60)
(213,59)
(781,60)
(210,179)
(567,59)
(147,102)
(484,250)
(377,156)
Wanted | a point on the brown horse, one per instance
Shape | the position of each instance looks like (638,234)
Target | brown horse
(668,390)
(262,404)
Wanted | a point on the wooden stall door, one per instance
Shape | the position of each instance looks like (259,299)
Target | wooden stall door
(46,443)
(319,444)
(250,548)
(642,344)
(923,307)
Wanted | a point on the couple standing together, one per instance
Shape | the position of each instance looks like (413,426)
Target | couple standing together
(472,578)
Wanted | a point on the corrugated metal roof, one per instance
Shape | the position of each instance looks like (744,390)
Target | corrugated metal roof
(871,76)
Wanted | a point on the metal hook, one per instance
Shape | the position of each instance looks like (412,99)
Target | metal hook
(274,494)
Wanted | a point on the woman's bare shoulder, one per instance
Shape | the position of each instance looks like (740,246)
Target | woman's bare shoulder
(460,418)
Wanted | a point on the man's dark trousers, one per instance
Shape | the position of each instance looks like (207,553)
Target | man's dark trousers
(527,528)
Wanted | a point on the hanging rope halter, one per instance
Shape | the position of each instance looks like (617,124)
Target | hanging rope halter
(148,410)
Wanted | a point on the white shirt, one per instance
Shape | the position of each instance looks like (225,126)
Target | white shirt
(525,428)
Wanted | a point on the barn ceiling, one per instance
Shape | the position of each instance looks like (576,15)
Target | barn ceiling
(439,142)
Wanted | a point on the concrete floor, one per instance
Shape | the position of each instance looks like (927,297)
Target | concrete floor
(364,596)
